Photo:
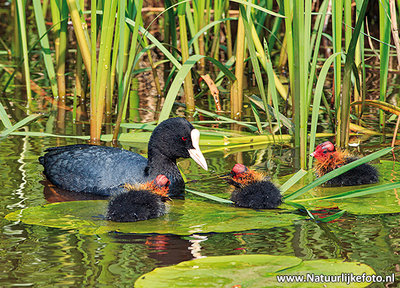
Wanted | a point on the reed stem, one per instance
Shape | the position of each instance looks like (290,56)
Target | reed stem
(187,85)
(61,67)
(27,75)
(80,35)
(237,86)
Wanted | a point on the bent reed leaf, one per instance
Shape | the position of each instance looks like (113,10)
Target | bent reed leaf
(355,193)
(337,172)
(208,196)
(21,123)
(293,180)
(179,78)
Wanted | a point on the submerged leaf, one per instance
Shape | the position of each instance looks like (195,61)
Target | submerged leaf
(251,271)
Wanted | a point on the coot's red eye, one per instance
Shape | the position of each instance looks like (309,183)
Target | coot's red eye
(184,138)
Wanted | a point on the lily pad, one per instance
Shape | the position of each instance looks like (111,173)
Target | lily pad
(378,203)
(250,271)
(185,217)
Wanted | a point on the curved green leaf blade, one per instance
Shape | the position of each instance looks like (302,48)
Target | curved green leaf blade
(209,196)
(317,99)
(357,192)
(361,200)
(337,172)
(180,77)
(293,180)
(21,123)
(4,117)
(258,8)
(44,42)
(208,26)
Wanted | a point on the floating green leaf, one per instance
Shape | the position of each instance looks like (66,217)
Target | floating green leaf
(184,218)
(250,271)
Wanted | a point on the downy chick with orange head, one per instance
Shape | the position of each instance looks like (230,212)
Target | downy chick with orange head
(328,158)
(253,190)
(140,202)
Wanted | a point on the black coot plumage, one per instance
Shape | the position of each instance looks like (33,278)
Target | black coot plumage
(104,170)
(253,190)
(328,159)
(141,202)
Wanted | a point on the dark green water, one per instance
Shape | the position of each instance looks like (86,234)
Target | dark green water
(46,257)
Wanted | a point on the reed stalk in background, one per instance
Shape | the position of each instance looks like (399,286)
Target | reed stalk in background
(60,61)
(44,42)
(22,36)
(344,123)
(187,85)
(360,64)
(16,42)
(111,52)
(82,38)
(337,19)
(103,68)
(199,24)
(237,85)
(288,10)
(384,49)
(228,32)
(218,10)
(94,136)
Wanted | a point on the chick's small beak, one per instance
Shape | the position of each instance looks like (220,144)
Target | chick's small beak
(312,154)
(195,153)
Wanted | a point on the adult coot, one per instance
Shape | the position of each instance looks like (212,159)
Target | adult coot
(104,170)
(253,190)
(139,202)
(328,158)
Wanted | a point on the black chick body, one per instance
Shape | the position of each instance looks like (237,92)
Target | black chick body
(253,190)
(104,170)
(329,159)
(139,203)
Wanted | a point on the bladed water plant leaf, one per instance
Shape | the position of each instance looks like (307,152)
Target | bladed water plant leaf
(337,172)
(285,121)
(249,271)
(209,196)
(179,79)
(184,218)
(293,180)
(366,199)
(18,125)
(379,104)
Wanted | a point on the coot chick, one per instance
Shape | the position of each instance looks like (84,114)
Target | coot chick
(103,170)
(328,159)
(140,202)
(253,190)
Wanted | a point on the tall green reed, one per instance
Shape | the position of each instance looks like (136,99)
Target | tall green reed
(384,36)
(117,41)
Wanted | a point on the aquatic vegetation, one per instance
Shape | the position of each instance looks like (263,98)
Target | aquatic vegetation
(251,271)
(282,72)
(297,30)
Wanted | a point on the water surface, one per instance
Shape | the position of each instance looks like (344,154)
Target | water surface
(30,253)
